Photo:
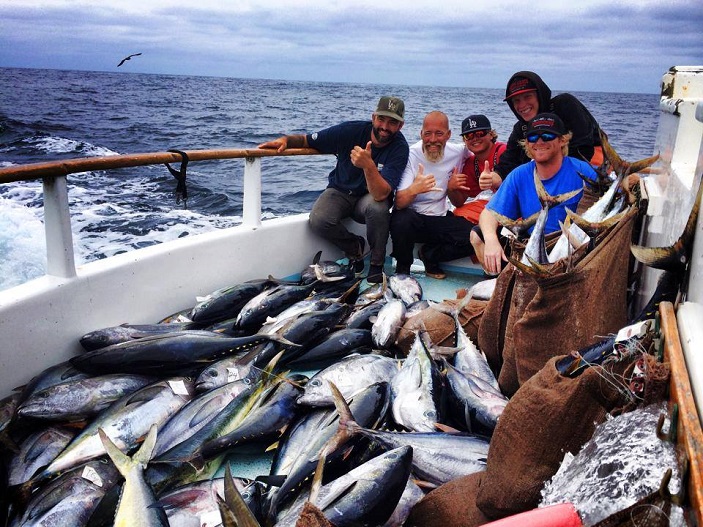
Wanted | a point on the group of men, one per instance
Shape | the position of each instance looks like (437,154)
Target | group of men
(404,191)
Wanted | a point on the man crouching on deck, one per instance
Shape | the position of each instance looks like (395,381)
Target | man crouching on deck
(371,157)
(421,213)
(546,143)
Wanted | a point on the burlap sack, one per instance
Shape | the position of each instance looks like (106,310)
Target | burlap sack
(452,504)
(441,326)
(548,416)
(494,322)
(569,309)
(311,516)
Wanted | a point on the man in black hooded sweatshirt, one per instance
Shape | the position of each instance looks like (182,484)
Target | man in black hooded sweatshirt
(527,95)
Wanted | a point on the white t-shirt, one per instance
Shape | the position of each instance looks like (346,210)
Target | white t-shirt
(434,203)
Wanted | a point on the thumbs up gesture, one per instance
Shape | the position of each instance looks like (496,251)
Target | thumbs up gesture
(361,157)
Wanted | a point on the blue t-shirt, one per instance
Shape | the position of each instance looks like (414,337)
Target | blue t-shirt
(517,196)
(341,139)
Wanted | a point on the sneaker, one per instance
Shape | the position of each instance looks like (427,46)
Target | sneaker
(402,269)
(375,275)
(358,266)
(432,269)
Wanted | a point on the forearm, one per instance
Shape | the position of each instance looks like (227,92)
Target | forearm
(457,197)
(378,187)
(403,198)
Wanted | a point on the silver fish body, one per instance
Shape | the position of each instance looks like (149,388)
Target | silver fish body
(479,406)
(81,398)
(36,451)
(303,442)
(438,457)
(388,323)
(126,421)
(416,390)
(405,287)
(350,375)
(366,495)
(71,498)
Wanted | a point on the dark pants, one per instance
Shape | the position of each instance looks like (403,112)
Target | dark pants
(333,206)
(445,237)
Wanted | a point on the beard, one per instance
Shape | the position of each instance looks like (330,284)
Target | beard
(434,156)
(383,140)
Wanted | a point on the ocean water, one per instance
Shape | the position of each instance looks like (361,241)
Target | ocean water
(48,115)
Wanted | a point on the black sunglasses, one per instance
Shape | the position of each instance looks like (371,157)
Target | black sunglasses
(546,137)
(478,135)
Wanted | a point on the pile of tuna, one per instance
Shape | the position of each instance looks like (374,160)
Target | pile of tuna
(233,375)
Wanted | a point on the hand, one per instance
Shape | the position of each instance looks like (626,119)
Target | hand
(457,181)
(424,182)
(493,256)
(279,144)
(485,180)
(361,157)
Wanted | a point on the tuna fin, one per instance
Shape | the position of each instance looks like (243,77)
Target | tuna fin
(121,460)
(618,164)
(517,227)
(233,509)
(674,258)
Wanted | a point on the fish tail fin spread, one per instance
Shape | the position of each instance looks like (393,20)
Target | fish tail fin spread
(121,460)
(618,164)
(675,257)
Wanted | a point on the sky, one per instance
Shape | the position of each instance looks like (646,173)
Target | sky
(585,45)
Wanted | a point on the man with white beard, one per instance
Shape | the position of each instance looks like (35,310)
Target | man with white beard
(421,212)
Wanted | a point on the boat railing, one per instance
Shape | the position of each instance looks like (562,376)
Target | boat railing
(60,259)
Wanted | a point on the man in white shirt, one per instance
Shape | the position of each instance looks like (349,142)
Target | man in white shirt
(421,212)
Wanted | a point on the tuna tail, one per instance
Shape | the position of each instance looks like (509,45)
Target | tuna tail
(122,461)
(517,227)
(593,228)
(339,439)
(619,165)
(674,258)
(233,509)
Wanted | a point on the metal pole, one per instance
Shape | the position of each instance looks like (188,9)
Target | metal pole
(57,226)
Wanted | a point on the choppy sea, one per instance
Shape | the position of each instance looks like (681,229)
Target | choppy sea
(48,115)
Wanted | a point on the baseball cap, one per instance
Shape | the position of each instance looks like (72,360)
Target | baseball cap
(391,107)
(546,122)
(519,85)
(475,122)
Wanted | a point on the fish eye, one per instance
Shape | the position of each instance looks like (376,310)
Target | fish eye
(316,382)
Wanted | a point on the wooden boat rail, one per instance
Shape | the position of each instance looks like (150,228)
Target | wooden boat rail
(688,424)
(60,256)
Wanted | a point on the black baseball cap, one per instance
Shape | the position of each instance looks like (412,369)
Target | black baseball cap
(546,122)
(519,85)
(474,123)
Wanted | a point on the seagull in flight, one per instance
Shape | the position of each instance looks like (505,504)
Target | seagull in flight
(127,58)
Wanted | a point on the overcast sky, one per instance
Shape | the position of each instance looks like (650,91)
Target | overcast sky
(591,45)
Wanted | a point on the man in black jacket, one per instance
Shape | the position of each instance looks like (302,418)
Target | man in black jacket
(527,95)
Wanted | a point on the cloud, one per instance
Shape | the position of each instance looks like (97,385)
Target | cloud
(594,46)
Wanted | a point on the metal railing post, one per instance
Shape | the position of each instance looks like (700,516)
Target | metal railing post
(251,214)
(57,226)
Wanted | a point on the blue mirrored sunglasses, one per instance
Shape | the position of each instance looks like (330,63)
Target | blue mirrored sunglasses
(546,137)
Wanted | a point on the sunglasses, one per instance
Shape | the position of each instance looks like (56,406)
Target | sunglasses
(546,137)
(475,135)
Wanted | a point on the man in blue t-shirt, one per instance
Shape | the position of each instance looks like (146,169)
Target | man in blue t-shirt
(371,157)
(546,143)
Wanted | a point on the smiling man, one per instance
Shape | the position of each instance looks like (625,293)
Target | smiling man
(371,157)
(527,95)
(547,144)
(421,213)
